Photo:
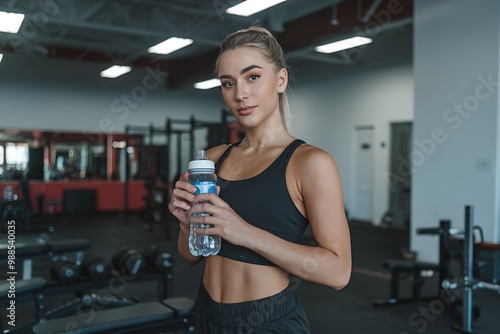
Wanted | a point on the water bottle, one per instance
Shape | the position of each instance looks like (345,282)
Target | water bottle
(202,176)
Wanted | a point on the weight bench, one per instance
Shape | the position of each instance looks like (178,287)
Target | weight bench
(398,267)
(154,317)
(26,251)
(30,289)
(77,246)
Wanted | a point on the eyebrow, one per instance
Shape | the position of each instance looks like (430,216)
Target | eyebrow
(246,69)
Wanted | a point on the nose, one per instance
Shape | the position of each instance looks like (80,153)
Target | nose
(241,92)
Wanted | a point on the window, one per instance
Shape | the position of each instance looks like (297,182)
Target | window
(16,156)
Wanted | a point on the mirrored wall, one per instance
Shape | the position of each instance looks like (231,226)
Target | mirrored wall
(44,155)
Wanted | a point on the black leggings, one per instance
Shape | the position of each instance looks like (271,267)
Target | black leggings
(280,313)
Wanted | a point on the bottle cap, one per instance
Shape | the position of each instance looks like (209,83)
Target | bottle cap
(201,164)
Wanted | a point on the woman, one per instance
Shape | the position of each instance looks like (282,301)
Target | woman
(271,186)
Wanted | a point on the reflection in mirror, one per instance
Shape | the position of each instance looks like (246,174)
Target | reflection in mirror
(13,160)
(47,156)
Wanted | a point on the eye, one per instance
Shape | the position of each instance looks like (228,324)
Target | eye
(254,77)
(228,84)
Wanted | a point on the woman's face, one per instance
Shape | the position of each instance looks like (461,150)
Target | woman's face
(250,85)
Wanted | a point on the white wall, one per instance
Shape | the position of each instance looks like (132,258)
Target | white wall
(50,94)
(326,113)
(71,95)
(457,166)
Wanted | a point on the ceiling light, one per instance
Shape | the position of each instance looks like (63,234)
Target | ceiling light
(250,7)
(344,44)
(115,71)
(10,22)
(207,84)
(119,144)
(170,45)
(1,56)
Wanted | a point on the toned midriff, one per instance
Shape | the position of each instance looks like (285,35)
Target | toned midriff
(229,281)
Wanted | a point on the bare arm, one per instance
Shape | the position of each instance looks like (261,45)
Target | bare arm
(329,262)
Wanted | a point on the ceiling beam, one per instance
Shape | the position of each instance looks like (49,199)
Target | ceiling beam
(298,34)
(303,34)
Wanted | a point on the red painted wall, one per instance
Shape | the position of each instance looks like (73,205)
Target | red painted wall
(110,194)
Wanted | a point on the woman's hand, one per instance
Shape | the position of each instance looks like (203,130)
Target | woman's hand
(181,199)
(225,221)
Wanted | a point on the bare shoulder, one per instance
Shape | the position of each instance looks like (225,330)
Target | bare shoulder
(215,152)
(311,158)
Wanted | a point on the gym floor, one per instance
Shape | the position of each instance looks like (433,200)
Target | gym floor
(350,310)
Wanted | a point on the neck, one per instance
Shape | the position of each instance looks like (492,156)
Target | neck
(268,137)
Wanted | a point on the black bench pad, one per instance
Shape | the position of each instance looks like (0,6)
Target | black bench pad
(68,246)
(107,320)
(23,286)
(409,265)
(181,305)
(25,249)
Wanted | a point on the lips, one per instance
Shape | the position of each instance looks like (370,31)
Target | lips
(245,110)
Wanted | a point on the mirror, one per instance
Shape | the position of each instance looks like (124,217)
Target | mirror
(47,156)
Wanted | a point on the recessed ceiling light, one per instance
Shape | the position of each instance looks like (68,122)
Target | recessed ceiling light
(10,22)
(343,44)
(207,84)
(170,45)
(115,71)
(1,57)
(250,7)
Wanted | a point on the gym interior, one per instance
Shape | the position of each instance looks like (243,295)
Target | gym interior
(87,162)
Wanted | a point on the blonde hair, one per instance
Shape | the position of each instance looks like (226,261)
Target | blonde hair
(264,41)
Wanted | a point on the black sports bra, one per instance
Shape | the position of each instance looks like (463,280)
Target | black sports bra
(263,201)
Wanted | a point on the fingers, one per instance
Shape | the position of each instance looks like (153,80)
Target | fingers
(207,221)
(184,176)
(176,204)
(182,184)
(206,231)
(182,194)
(211,197)
(181,197)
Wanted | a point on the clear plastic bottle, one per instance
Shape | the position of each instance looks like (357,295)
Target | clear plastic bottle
(202,176)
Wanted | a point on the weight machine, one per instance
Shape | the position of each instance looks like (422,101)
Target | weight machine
(164,164)
(486,266)
(150,166)
(218,133)
(475,257)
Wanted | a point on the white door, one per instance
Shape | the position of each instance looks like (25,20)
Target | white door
(363,174)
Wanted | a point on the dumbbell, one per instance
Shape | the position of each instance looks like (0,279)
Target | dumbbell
(66,272)
(129,261)
(158,259)
(95,267)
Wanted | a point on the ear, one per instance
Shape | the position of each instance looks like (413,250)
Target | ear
(282,77)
